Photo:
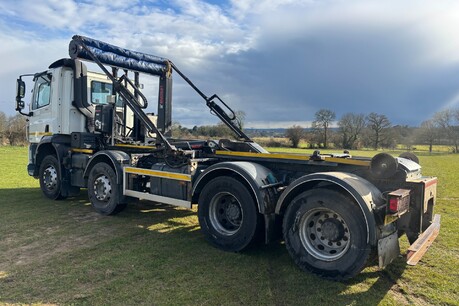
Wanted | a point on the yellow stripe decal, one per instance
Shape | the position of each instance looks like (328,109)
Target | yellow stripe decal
(164,174)
(295,157)
(36,134)
(133,146)
(89,151)
(355,162)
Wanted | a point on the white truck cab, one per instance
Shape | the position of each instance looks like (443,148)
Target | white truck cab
(52,110)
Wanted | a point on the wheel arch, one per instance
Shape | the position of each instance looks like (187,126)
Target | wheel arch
(252,175)
(116,159)
(57,145)
(361,191)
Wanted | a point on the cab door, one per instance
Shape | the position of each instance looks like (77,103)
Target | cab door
(42,122)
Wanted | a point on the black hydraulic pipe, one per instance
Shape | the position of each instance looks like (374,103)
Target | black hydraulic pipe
(116,56)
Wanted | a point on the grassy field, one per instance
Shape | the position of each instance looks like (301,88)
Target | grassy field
(62,252)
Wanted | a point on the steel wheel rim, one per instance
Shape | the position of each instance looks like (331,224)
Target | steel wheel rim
(50,178)
(102,188)
(225,213)
(324,234)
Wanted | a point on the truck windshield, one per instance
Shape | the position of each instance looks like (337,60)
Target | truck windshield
(42,92)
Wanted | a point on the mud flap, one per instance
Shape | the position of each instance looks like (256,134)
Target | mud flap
(388,249)
(422,244)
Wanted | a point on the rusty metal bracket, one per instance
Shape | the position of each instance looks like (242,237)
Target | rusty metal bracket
(422,244)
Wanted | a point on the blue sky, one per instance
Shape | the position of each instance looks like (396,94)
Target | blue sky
(279,61)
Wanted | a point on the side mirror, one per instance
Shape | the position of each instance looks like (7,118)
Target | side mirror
(20,93)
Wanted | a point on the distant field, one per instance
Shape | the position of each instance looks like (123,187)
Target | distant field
(283,144)
(367,152)
(62,252)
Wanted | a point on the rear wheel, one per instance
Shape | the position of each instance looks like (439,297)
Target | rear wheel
(325,233)
(50,178)
(103,191)
(228,215)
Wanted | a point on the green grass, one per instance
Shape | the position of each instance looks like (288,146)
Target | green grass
(62,252)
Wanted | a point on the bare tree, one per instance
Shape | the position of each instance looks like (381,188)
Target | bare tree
(445,121)
(240,119)
(16,130)
(322,122)
(428,133)
(3,125)
(295,134)
(350,129)
(400,134)
(378,126)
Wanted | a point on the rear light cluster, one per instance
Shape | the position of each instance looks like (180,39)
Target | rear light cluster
(399,201)
(393,204)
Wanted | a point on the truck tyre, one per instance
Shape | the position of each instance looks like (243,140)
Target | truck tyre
(325,233)
(228,215)
(103,191)
(50,178)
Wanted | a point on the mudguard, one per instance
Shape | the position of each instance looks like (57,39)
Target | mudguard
(258,177)
(55,144)
(116,158)
(365,194)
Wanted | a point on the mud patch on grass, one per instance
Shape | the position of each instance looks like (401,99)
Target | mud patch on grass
(47,244)
(84,216)
(405,298)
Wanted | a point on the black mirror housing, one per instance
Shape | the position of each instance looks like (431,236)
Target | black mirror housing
(20,93)
(20,88)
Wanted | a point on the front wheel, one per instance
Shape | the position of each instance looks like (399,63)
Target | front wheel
(325,233)
(50,177)
(103,191)
(228,215)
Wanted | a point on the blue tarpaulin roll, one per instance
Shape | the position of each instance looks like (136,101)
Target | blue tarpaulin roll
(115,56)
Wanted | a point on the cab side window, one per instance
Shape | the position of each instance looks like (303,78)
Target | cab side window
(100,91)
(42,92)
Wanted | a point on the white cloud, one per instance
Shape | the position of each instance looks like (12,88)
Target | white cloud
(280,61)
(24,54)
(50,14)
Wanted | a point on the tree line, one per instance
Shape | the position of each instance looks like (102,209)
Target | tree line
(355,131)
(351,131)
